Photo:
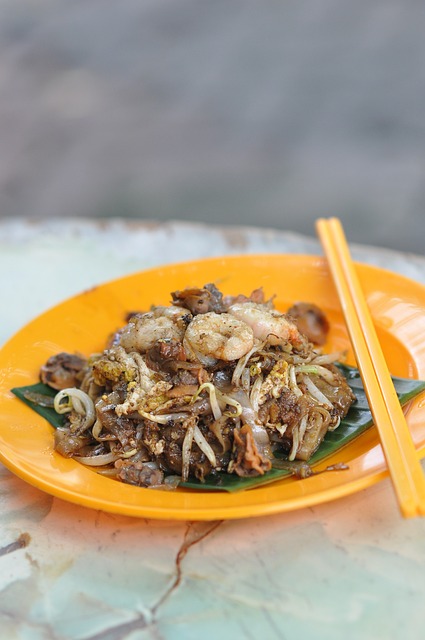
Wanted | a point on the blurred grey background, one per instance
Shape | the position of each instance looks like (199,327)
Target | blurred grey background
(257,112)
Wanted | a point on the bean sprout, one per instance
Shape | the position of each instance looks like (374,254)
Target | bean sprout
(329,358)
(293,382)
(164,418)
(204,446)
(332,427)
(186,447)
(295,443)
(303,427)
(76,400)
(97,461)
(215,408)
(255,393)
(244,361)
(316,393)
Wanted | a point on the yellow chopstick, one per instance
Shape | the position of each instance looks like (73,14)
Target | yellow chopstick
(400,453)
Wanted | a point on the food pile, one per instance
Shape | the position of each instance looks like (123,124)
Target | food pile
(209,384)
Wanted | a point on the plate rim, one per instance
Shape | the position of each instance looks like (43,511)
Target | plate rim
(230,511)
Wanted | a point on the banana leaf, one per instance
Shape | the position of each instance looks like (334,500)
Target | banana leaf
(39,397)
(357,421)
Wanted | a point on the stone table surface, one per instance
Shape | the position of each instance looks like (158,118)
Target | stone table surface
(352,568)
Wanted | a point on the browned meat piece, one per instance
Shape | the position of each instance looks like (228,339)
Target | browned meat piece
(164,355)
(186,377)
(138,473)
(311,321)
(286,409)
(129,315)
(171,458)
(69,444)
(204,300)
(191,373)
(340,394)
(122,427)
(312,440)
(256,296)
(247,459)
(182,390)
(62,371)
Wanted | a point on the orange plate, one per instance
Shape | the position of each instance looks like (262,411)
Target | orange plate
(83,323)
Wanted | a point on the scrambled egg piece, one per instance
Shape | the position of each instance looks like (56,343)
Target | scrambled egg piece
(275,382)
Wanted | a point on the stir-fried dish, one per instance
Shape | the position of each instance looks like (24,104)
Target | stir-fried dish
(210,384)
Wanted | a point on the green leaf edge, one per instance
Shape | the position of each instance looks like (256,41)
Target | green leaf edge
(55,419)
(357,421)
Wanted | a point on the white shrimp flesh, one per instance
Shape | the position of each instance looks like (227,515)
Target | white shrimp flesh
(146,329)
(268,324)
(217,336)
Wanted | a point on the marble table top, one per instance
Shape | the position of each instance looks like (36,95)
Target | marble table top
(352,568)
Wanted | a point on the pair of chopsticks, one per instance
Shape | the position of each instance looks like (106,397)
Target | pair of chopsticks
(400,453)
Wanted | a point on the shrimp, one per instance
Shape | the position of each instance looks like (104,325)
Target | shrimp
(146,329)
(268,324)
(217,336)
